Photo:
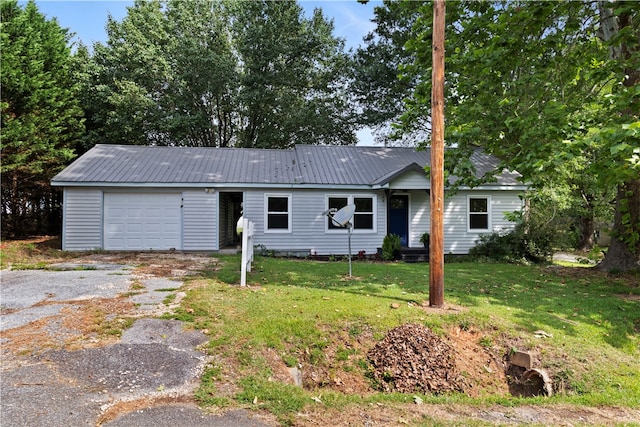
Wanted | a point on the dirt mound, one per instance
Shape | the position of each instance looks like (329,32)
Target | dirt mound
(411,358)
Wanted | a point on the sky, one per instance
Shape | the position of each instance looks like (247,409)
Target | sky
(86,19)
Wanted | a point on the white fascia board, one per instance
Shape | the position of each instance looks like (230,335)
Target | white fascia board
(220,186)
(496,188)
(217,186)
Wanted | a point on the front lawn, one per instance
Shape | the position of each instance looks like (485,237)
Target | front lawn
(584,325)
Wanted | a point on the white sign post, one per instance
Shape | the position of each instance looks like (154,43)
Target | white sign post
(247,249)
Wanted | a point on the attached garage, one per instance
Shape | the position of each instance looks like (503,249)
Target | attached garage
(142,221)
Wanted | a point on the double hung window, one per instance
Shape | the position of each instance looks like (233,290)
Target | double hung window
(278,213)
(478,213)
(364,215)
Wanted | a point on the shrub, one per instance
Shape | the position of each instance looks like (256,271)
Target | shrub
(391,247)
(425,238)
(530,242)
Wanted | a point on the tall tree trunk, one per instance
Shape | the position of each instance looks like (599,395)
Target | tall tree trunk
(625,256)
(624,251)
(586,242)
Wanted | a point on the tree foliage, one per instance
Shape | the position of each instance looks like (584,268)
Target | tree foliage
(228,73)
(41,117)
(378,88)
(551,88)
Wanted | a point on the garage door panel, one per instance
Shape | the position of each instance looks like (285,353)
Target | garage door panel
(134,213)
(135,227)
(154,227)
(171,212)
(143,221)
(134,243)
(116,227)
(153,242)
(173,229)
(115,243)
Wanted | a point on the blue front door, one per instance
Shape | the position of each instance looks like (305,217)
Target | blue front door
(399,217)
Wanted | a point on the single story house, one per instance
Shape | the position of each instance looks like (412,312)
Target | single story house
(125,197)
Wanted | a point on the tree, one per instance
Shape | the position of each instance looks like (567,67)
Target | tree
(204,77)
(534,83)
(377,89)
(129,78)
(41,117)
(292,89)
(229,73)
(620,29)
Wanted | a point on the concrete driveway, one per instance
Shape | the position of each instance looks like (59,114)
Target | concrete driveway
(55,371)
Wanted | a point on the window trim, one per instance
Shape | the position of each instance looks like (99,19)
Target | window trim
(334,229)
(267,196)
(469,213)
(350,199)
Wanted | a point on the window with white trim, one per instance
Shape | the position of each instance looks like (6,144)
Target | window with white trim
(478,213)
(336,203)
(277,213)
(364,215)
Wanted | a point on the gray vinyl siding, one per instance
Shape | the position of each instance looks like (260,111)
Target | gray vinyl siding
(308,233)
(457,238)
(411,180)
(199,222)
(419,217)
(82,219)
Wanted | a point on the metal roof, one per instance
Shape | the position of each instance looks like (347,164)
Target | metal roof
(305,165)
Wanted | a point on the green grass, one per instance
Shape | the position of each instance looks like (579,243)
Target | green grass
(309,312)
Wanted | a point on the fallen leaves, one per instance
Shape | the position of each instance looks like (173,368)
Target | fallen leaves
(412,358)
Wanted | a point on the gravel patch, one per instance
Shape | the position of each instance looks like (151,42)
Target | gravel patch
(21,289)
(28,315)
(167,332)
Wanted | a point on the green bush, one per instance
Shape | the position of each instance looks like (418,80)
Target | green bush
(391,247)
(527,241)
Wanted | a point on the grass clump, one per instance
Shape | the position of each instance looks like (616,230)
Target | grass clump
(207,393)
(282,400)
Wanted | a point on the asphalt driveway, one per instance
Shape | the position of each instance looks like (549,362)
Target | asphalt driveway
(28,295)
(144,378)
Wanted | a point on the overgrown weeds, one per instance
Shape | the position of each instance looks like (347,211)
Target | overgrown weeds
(30,254)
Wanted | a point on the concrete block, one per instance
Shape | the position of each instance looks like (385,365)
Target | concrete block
(523,359)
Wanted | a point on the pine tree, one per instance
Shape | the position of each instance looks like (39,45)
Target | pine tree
(41,118)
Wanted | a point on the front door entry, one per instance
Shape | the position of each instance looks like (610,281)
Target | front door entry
(230,210)
(399,217)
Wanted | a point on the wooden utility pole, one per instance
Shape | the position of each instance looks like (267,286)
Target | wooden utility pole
(436,254)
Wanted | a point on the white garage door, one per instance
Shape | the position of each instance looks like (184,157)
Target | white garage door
(135,221)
